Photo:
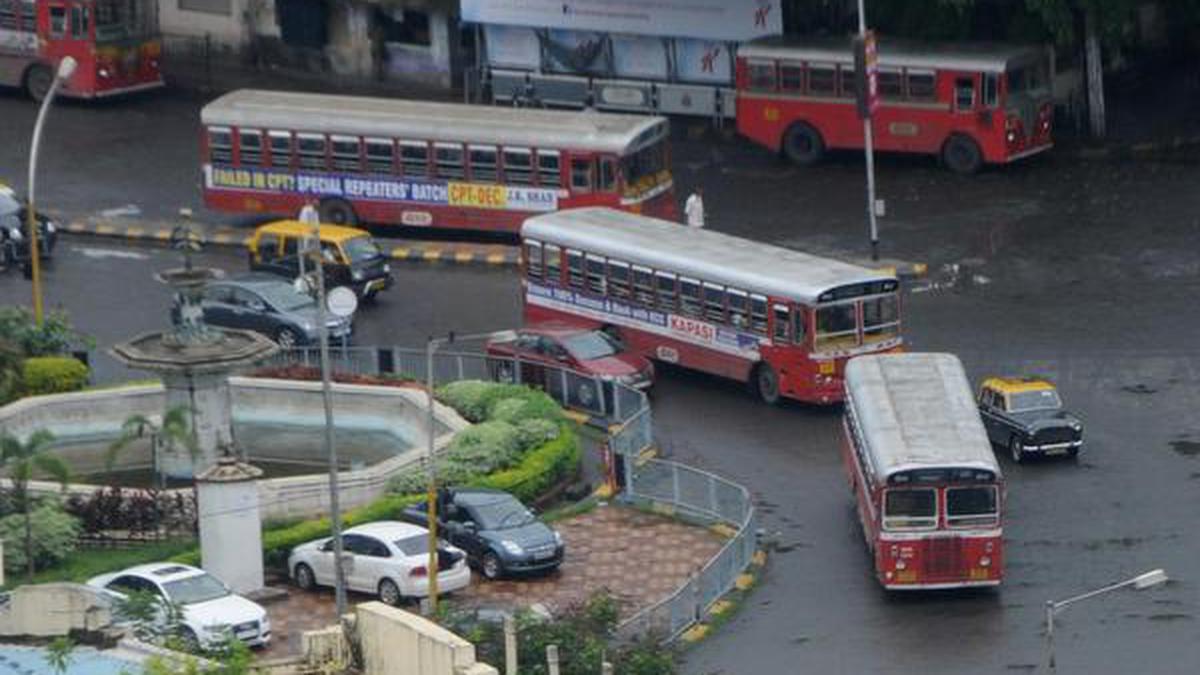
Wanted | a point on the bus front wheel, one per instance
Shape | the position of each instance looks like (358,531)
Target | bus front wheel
(766,383)
(962,155)
(803,145)
(338,212)
(38,80)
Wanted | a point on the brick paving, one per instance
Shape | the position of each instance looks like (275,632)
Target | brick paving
(639,557)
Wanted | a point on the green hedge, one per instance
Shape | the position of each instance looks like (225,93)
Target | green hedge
(52,375)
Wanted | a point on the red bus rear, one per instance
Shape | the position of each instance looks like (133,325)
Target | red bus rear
(967,104)
(927,487)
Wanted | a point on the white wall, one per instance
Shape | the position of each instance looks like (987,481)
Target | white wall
(395,641)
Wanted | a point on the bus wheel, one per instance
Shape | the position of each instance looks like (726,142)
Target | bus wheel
(37,81)
(803,144)
(962,155)
(766,383)
(338,212)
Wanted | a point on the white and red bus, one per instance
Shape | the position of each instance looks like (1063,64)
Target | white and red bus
(115,42)
(928,489)
(968,104)
(782,321)
(427,164)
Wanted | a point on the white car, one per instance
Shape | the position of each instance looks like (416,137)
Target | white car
(388,558)
(211,611)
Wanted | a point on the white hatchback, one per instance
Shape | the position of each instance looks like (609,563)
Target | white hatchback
(388,558)
(211,612)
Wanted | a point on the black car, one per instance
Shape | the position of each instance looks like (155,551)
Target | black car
(266,304)
(14,234)
(501,536)
(1026,416)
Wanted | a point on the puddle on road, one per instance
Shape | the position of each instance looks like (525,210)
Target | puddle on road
(1171,616)
(1138,388)
(1187,449)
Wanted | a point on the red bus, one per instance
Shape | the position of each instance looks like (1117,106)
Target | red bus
(115,42)
(782,321)
(967,104)
(926,483)
(427,164)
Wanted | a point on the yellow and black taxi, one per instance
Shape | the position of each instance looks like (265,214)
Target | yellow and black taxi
(14,234)
(350,257)
(1026,415)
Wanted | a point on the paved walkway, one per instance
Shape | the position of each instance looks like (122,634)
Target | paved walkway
(639,557)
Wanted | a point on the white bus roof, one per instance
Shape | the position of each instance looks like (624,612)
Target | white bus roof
(971,57)
(706,255)
(449,122)
(917,411)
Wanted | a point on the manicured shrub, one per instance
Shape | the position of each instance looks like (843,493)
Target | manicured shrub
(55,534)
(468,397)
(534,432)
(526,405)
(52,375)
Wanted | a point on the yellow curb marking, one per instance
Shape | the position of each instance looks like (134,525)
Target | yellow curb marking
(743,581)
(76,227)
(400,253)
(495,258)
(221,238)
(720,607)
(759,558)
(105,229)
(664,509)
(463,256)
(890,271)
(576,416)
(432,254)
(920,268)
(134,232)
(604,491)
(162,234)
(246,241)
(722,530)
(695,633)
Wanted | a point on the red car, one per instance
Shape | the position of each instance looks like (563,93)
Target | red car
(548,353)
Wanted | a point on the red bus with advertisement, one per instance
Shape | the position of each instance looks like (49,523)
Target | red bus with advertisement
(967,104)
(115,42)
(782,321)
(429,164)
(926,483)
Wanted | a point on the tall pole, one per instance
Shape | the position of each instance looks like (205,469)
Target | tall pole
(869,148)
(65,68)
(431,566)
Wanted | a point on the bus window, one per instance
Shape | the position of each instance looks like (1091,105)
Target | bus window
(910,509)
(643,286)
(414,159)
(972,506)
(664,290)
(58,21)
(822,79)
(345,153)
(921,85)
(847,78)
(799,326)
(618,279)
(739,309)
(79,23)
(281,148)
(220,145)
(483,163)
(549,172)
(991,87)
(837,326)
(553,259)
(533,259)
(758,314)
(891,83)
(760,75)
(783,320)
(608,175)
(595,275)
(575,269)
(791,78)
(518,166)
(714,303)
(964,93)
(881,318)
(380,155)
(250,147)
(689,297)
(310,148)
(448,160)
(581,174)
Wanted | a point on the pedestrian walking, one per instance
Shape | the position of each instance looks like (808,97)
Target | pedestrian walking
(693,208)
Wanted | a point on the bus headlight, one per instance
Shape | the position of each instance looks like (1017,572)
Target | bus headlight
(103,72)
(985,561)
(901,565)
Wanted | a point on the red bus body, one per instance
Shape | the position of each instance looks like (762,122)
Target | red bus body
(427,164)
(995,98)
(913,439)
(782,321)
(115,43)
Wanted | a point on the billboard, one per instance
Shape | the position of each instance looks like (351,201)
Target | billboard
(732,20)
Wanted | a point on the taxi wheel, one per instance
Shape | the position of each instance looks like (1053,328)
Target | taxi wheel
(389,593)
(304,577)
(287,338)
(338,212)
(766,384)
(37,82)
(1014,448)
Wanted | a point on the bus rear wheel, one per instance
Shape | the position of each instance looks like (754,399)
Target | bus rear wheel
(962,155)
(338,212)
(803,145)
(38,80)
(765,382)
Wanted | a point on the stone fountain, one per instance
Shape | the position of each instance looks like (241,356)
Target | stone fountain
(194,361)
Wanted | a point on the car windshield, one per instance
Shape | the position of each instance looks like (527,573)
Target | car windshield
(361,249)
(502,514)
(1042,399)
(8,204)
(200,588)
(417,544)
(284,298)
(589,345)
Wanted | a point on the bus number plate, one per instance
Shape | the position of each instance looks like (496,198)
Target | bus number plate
(417,218)
(668,354)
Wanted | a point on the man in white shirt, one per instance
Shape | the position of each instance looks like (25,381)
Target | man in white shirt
(693,208)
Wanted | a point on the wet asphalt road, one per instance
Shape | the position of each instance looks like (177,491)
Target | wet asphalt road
(1087,273)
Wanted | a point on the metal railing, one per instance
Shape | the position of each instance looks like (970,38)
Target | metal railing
(695,495)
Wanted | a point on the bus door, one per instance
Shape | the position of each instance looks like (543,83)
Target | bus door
(964,99)
(65,29)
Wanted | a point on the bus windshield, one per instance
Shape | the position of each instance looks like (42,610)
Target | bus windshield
(642,167)
(968,506)
(1029,79)
(837,326)
(910,509)
(121,20)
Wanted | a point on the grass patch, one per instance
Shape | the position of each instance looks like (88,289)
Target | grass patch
(570,510)
(82,564)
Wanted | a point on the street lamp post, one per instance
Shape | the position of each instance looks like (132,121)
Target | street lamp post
(1140,582)
(431,567)
(66,68)
(869,147)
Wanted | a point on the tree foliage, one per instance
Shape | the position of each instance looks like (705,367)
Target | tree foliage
(22,459)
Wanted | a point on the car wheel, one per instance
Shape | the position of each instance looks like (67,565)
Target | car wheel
(962,155)
(304,577)
(37,82)
(188,640)
(338,212)
(389,593)
(1014,449)
(287,338)
(803,145)
(766,383)
(491,567)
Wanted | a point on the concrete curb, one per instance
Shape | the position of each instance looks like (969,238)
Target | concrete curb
(1133,151)
(721,610)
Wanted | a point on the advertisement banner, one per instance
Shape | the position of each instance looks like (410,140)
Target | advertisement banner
(572,51)
(640,57)
(733,20)
(703,61)
(451,193)
(512,47)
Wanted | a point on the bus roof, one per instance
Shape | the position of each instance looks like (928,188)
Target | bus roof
(990,57)
(450,122)
(703,254)
(916,411)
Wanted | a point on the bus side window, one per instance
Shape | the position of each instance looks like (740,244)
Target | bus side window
(921,85)
(643,286)
(575,269)
(664,289)
(608,175)
(380,155)
(714,302)
(250,147)
(822,79)
(581,174)
(781,333)
(991,90)
(739,309)
(79,22)
(549,171)
(964,93)
(758,314)
(760,75)
(595,275)
(791,78)
(414,159)
(346,153)
(518,166)
(799,326)
(847,80)
(220,145)
(448,158)
(533,260)
(310,148)
(552,256)
(58,21)
(891,83)
(483,163)
(281,148)
(618,280)
(689,297)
